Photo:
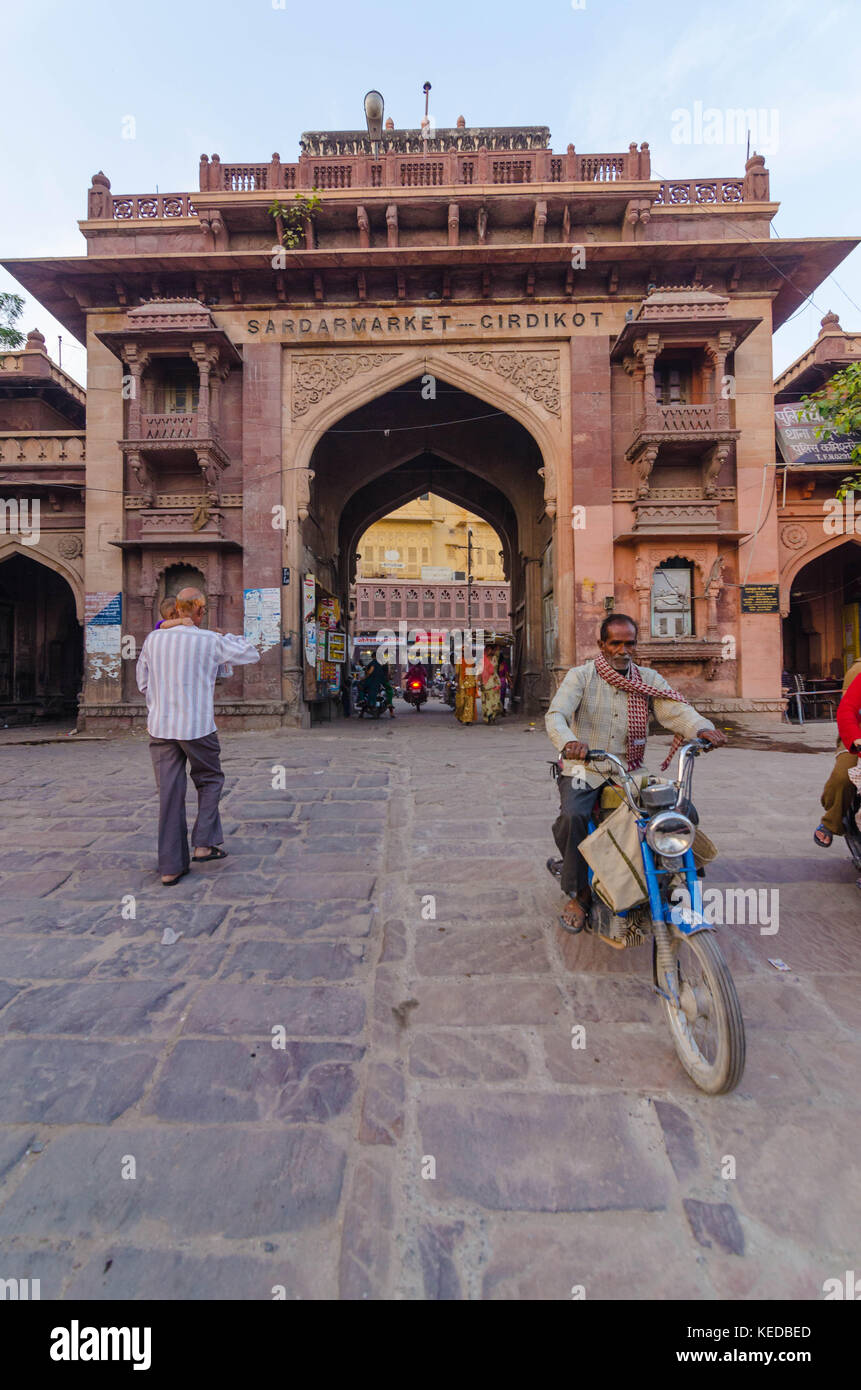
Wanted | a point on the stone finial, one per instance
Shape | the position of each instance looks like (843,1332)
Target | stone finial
(830,323)
(390,125)
(461,123)
(35,341)
(99,197)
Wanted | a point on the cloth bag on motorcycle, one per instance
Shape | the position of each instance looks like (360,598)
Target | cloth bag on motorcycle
(613,853)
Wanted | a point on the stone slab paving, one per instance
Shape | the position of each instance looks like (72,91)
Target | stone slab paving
(339,1064)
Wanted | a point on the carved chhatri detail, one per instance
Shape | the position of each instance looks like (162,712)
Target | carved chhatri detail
(536,374)
(317,376)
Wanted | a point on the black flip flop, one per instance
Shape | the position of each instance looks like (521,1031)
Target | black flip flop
(823,844)
(173,881)
(214,853)
(554,867)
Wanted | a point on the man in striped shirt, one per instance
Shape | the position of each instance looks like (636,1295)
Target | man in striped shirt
(589,711)
(176,670)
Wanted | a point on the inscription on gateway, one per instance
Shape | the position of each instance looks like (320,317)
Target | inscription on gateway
(466,323)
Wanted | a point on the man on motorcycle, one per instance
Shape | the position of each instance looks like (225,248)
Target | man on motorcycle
(376,679)
(605,704)
(838,790)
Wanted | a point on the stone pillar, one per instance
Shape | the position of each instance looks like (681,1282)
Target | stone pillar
(532,674)
(103,562)
(261,486)
(592,473)
(759,645)
(295,493)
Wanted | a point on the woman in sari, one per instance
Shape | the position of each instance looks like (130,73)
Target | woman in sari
(464,700)
(504,679)
(491,705)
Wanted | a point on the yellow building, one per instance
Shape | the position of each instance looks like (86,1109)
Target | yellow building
(427,539)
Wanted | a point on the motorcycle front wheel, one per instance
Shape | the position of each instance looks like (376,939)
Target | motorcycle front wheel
(706,1026)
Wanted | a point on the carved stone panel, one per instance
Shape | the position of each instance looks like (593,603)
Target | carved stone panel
(536,374)
(317,376)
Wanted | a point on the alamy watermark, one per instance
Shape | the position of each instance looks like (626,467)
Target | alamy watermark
(20,517)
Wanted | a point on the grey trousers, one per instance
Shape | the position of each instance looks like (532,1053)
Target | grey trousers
(169,757)
(576,804)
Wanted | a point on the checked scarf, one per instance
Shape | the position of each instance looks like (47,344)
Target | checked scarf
(639,694)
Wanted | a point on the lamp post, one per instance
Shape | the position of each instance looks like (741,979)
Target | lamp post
(374,109)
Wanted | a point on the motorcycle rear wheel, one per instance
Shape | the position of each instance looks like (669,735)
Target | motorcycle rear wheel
(707,1027)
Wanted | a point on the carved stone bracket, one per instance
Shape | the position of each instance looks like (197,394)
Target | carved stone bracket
(317,376)
(536,374)
(643,467)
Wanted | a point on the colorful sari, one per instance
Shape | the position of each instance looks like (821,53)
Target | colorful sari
(491,702)
(464,700)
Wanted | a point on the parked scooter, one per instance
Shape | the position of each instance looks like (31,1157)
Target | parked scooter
(689,971)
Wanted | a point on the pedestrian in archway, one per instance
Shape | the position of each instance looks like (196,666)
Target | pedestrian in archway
(491,704)
(464,700)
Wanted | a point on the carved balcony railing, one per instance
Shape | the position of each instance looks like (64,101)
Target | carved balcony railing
(53,447)
(171,426)
(686,419)
(699,192)
(128,207)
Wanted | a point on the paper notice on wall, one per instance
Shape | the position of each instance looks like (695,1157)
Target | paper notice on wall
(103,615)
(263,617)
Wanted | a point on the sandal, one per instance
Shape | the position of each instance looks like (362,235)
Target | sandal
(822,830)
(214,853)
(571,927)
(168,883)
(554,867)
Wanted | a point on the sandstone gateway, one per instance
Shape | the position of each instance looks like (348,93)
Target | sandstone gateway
(574,350)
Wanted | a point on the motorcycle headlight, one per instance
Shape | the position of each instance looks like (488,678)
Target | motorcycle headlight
(670,833)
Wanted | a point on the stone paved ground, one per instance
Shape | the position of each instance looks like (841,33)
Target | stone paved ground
(411,1043)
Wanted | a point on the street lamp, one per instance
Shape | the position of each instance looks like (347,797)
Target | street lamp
(374,108)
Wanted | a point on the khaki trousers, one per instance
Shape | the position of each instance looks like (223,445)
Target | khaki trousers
(838,792)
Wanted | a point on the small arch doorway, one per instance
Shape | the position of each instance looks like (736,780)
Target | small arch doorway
(41,643)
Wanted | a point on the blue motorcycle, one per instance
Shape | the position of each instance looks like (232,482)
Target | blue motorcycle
(689,971)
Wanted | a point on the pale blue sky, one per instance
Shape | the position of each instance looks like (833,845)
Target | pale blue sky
(243,79)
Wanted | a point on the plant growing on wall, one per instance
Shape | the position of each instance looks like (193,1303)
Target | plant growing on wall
(11,308)
(291,218)
(837,410)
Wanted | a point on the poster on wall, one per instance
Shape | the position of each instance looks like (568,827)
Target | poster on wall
(337,646)
(103,616)
(263,618)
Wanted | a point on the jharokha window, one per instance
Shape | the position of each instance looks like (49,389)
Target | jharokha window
(674,383)
(181,395)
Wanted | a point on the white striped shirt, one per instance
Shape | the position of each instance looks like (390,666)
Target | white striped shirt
(587,709)
(176,670)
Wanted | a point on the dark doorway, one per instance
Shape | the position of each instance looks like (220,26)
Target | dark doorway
(41,643)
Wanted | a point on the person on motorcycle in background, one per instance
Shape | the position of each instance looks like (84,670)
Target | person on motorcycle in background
(416,671)
(605,703)
(376,679)
(838,791)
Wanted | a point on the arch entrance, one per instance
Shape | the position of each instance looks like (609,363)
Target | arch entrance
(41,641)
(429,436)
(822,632)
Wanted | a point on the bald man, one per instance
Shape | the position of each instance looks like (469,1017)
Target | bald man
(176,671)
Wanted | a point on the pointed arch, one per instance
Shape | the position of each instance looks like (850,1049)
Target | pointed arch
(31,552)
(796,563)
(404,367)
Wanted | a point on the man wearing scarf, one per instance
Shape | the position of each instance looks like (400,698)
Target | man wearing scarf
(605,704)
